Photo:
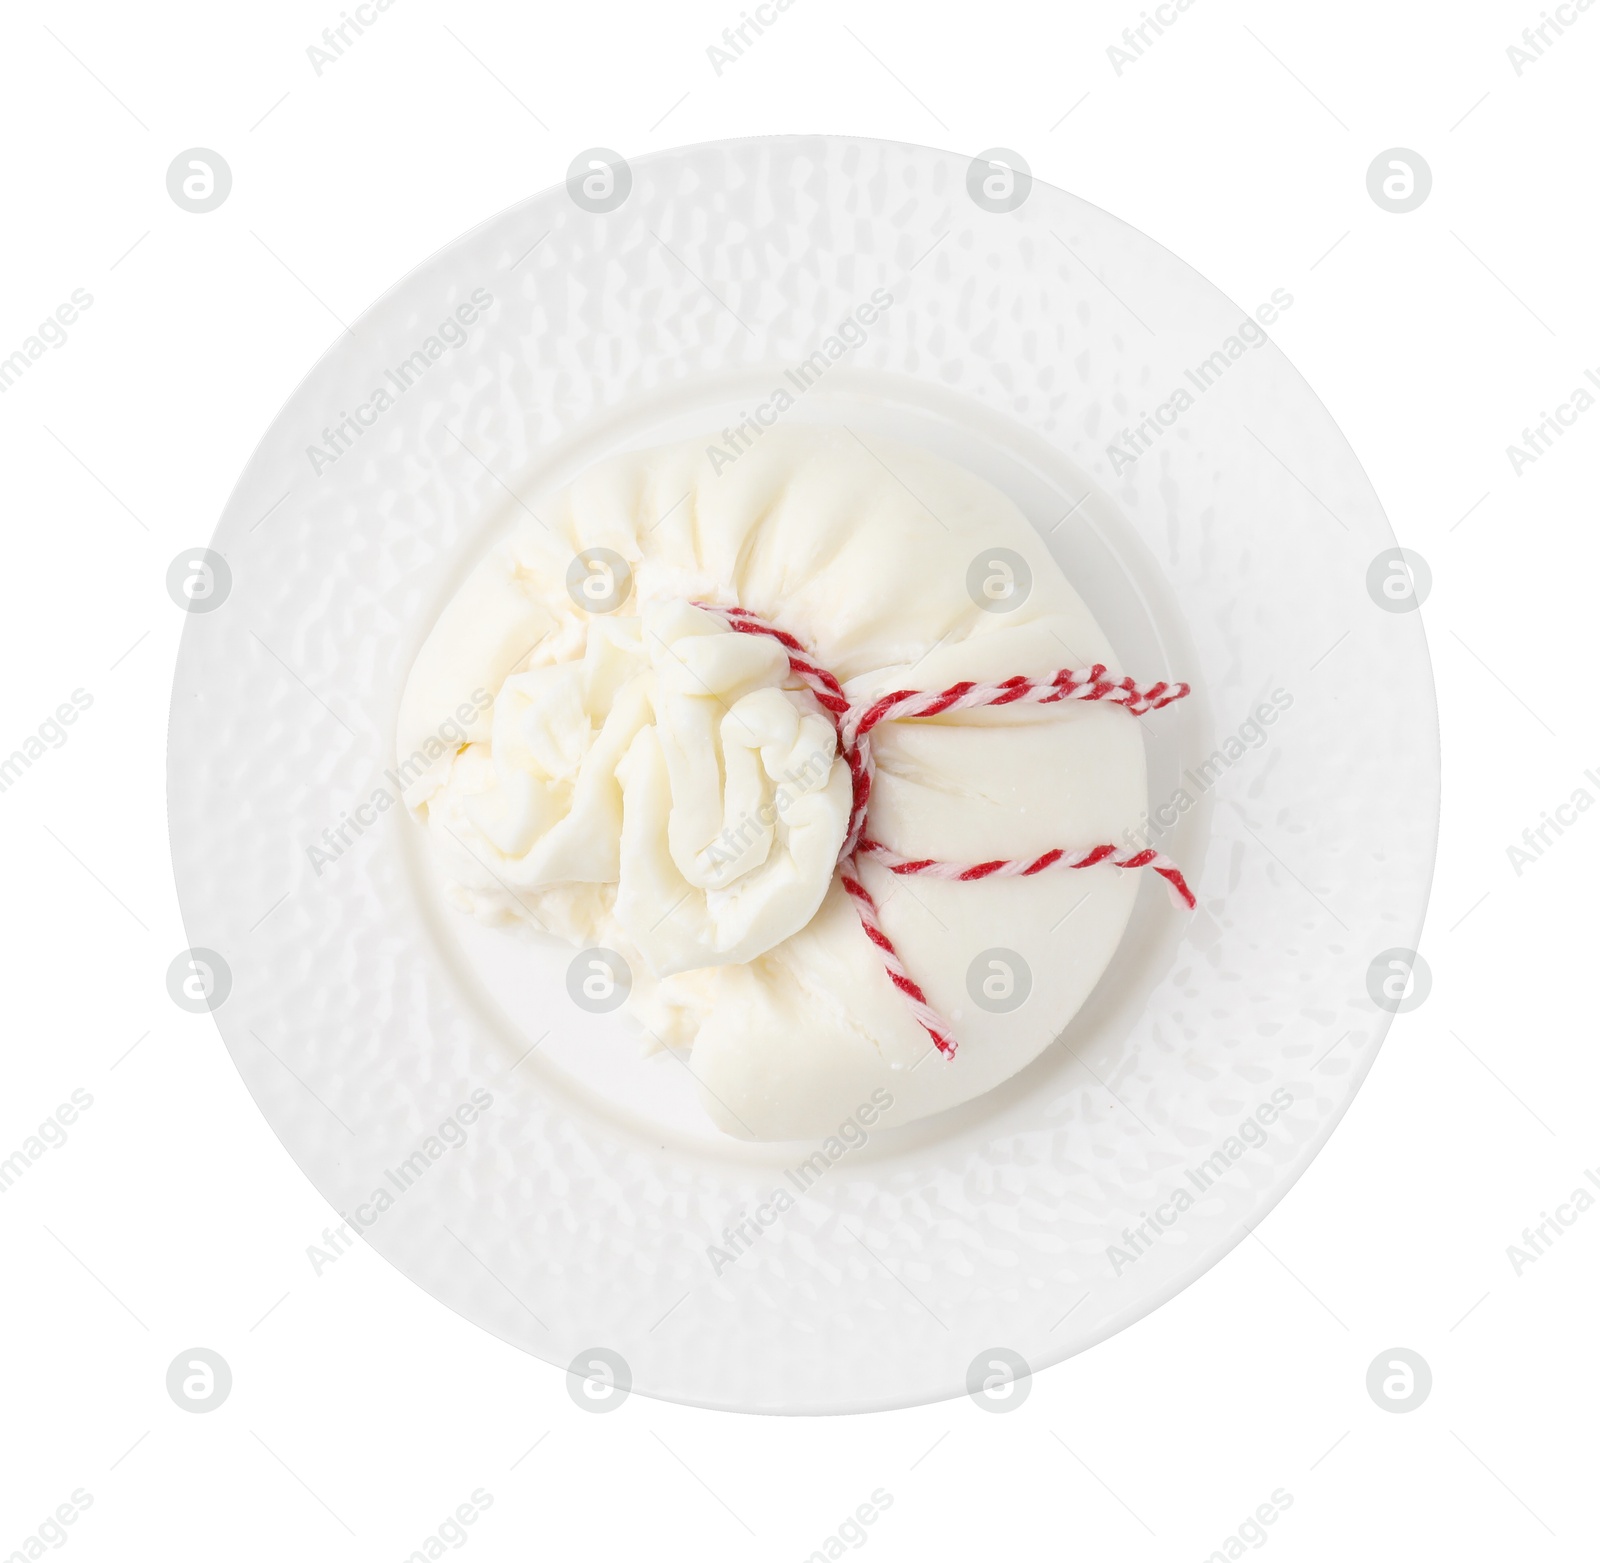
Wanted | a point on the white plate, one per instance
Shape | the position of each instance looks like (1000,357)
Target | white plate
(579,1209)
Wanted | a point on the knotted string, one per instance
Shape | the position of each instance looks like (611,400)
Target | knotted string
(853,725)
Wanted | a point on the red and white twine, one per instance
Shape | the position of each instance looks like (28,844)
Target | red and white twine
(854,723)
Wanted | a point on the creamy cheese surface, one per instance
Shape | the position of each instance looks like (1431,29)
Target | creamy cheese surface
(645,780)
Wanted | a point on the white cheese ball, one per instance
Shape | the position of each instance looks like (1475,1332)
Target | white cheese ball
(642,778)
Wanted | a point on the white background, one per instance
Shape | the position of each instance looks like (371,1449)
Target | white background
(362,1413)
